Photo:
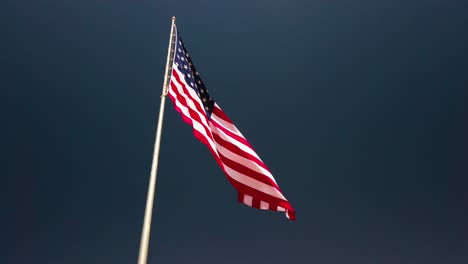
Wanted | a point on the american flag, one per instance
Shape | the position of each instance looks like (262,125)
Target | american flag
(243,167)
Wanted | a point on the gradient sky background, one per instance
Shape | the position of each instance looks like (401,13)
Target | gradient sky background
(358,108)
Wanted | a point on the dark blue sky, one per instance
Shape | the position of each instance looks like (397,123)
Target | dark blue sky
(358,108)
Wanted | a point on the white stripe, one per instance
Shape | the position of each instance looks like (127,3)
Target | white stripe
(264,205)
(280,209)
(232,140)
(253,183)
(248,199)
(243,161)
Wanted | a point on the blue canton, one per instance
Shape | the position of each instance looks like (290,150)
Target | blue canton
(184,64)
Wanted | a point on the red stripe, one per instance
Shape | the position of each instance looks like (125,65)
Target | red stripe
(242,188)
(196,133)
(184,102)
(230,134)
(185,118)
(247,171)
(272,207)
(256,203)
(220,113)
(203,139)
(193,114)
(291,214)
(240,197)
(235,149)
(176,76)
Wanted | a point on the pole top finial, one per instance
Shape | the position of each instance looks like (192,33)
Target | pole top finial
(173,17)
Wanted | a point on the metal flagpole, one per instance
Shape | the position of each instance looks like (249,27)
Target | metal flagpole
(145,235)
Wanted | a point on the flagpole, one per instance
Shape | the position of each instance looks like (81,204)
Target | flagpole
(145,235)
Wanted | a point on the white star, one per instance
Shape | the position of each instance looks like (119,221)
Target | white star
(182,59)
(185,66)
(199,82)
(196,73)
(179,50)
